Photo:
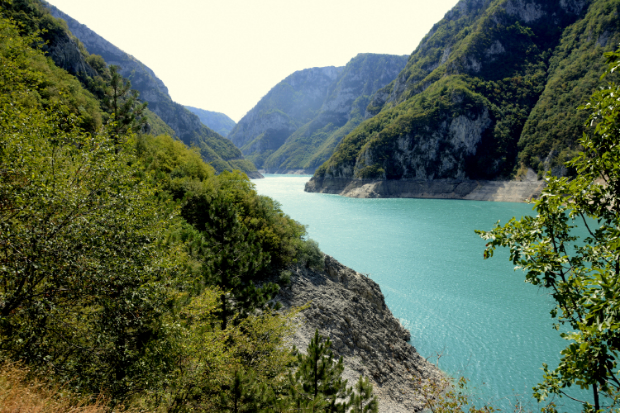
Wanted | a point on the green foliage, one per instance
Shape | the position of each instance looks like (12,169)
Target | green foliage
(317,384)
(506,64)
(98,270)
(363,401)
(80,267)
(581,274)
(555,124)
(122,103)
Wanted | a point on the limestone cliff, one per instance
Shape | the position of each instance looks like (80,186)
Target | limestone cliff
(349,308)
(491,90)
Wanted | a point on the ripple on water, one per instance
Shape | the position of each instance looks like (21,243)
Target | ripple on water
(486,323)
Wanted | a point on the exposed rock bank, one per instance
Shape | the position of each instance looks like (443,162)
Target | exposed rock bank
(476,190)
(349,308)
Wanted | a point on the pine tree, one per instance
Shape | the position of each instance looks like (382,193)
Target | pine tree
(317,384)
(123,104)
(363,401)
(234,258)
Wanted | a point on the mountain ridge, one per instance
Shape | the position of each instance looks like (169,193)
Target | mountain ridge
(187,126)
(468,103)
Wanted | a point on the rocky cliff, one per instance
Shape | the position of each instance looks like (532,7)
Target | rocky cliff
(288,105)
(342,110)
(491,91)
(350,309)
(187,126)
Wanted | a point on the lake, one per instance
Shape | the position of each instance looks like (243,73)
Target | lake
(474,317)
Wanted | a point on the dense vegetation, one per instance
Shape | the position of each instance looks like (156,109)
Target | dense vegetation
(581,273)
(129,268)
(217,121)
(516,77)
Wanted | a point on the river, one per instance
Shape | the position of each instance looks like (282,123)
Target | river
(473,317)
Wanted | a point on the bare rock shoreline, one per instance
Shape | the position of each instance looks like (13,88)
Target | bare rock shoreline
(477,190)
(349,308)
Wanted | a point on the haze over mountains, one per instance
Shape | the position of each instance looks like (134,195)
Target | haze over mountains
(179,121)
(297,125)
(217,121)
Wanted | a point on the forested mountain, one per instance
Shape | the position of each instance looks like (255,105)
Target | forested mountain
(300,121)
(490,91)
(217,121)
(132,276)
(186,126)
(289,105)
(342,110)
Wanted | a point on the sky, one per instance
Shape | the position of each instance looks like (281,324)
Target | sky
(225,55)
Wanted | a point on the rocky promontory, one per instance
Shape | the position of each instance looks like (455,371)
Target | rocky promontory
(474,190)
(349,308)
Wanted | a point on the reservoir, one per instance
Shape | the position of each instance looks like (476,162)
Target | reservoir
(473,317)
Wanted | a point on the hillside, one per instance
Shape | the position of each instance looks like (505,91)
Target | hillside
(288,105)
(186,126)
(297,125)
(217,121)
(491,91)
(342,110)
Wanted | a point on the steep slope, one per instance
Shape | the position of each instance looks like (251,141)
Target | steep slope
(460,107)
(187,127)
(288,105)
(217,121)
(343,109)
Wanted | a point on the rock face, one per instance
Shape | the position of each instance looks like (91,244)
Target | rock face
(350,309)
(297,125)
(342,110)
(186,125)
(498,191)
(492,88)
(289,105)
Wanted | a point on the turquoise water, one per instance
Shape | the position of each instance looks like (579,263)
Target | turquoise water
(479,315)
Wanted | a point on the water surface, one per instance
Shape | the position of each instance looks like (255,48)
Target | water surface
(478,315)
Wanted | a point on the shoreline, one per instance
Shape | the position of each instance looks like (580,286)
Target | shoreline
(475,190)
(350,309)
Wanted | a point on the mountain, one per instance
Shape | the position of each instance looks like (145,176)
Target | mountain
(491,92)
(297,125)
(217,121)
(342,110)
(289,105)
(187,127)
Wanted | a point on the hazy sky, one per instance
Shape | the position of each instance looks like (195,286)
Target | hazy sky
(225,55)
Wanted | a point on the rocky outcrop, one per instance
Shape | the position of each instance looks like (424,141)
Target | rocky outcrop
(66,54)
(476,99)
(480,190)
(350,309)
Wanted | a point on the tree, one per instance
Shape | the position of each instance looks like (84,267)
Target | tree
(235,253)
(123,104)
(317,384)
(582,275)
(362,400)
